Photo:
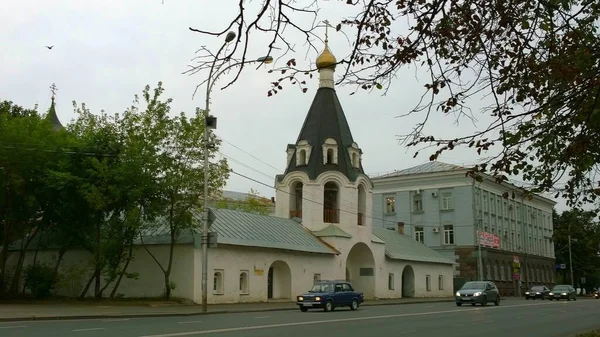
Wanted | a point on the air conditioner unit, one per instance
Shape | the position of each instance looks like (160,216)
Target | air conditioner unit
(436,229)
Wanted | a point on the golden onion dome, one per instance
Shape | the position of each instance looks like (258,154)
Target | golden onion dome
(326,59)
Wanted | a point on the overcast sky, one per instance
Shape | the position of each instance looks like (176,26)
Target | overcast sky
(106,51)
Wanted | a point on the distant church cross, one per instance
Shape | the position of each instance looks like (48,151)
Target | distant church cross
(326,22)
(53,90)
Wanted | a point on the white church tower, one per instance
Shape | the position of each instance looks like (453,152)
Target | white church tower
(324,183)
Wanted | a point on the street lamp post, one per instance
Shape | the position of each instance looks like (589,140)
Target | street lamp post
(210,122)
(571,262)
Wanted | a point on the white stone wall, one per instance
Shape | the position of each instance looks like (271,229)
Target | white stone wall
(149,284)
(420,270)
(233,260)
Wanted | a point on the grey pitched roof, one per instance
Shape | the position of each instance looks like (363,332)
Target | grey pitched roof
(332,231)
(326,119)
(251,230)
(53,118)
(402,247)
(430,167)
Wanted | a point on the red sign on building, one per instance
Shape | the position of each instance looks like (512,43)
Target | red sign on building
(489,240)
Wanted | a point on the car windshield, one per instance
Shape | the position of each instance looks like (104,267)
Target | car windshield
(560,288)
(473,285)
(537,288)
(322,288)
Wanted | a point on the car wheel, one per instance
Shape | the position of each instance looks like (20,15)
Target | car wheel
(526,298)
(575,298)
(303,309)
(484,301)
(354,305)
(328,306)
(497,301)
(458,304)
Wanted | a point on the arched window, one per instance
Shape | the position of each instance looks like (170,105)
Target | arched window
(331,207)
(296,200)
(301,158)
(496,271)
(330,156)
(354,159)
(218,282)
(503,272)
(362,204)
(244,282)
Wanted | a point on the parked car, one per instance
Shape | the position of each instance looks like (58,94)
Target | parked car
(537,292)
(480,292)
(563,292)
(330,294)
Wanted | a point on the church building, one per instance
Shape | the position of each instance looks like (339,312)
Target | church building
(322,229)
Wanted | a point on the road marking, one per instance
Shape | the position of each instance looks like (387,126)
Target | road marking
(90,329)
(411,331)
(116,320)
(261,317)
(189,322)
(429,306)
(12,327)
(279,325)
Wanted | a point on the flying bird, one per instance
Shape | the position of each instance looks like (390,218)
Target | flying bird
(49,47)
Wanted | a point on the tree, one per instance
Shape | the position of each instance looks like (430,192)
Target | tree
(536,59)
(585,241)
(27,154)
(253,203)
(176,164)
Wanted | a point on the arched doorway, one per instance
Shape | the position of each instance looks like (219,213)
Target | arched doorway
(279,281)
(408,282)
(360,269)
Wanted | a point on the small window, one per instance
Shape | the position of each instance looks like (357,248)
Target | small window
(419,237)
(218,282)
(441,282)
(428,282)
(448,234)
(330,155)
(302,158)
(447,201)
(417,202)
(391,281)
(390,205)
(244,282)
(316,278)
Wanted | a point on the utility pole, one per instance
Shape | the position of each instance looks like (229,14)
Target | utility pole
(571,260)
(480,258)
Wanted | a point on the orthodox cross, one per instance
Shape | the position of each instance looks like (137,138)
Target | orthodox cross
(53,90)
(326,22)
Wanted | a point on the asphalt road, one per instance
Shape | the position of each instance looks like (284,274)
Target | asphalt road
(512,318)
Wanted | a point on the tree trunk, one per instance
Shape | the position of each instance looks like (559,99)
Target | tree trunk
(61,253)
(5,243)
(14,287)
(129,257)
(35,255)
(87,286)
(167,287)
(98,268)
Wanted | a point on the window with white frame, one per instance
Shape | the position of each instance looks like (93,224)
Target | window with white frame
(218,282)
(441,282)
(417,204)
(485,203)
(448,234)
(391,281)
(419,234)
(447,201)
(428,282)
(390,204)
(244,282)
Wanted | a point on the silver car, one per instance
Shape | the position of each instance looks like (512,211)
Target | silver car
(481,292)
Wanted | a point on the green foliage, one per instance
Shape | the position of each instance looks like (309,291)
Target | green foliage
(593,333)
(536,62)
(585,241)
(253,203)
(40,280)
(98,184)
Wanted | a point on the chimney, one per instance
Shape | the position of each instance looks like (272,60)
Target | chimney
(401,227)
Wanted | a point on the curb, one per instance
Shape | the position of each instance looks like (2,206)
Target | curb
(199,313)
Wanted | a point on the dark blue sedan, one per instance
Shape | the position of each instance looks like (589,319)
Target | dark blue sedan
(328,295)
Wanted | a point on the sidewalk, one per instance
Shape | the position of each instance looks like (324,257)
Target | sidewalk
(108,310)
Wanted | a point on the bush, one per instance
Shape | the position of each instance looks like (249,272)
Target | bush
(594,333)
(39,280)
